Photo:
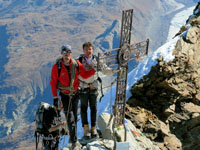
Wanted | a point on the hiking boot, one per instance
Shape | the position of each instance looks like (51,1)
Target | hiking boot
(76,146)
(94,132)
(86,131)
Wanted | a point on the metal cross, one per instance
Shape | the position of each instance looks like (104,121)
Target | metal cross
(118,59)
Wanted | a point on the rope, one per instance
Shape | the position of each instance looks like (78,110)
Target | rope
(110,84)
(70,100)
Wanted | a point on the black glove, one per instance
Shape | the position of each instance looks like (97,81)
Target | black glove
(56,103)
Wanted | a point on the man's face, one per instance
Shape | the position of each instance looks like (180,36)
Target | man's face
(66,55)
(88,51)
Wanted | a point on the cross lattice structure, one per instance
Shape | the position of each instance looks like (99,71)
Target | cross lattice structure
(119,58)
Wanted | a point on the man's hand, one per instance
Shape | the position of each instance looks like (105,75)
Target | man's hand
(116,70)
(63,123)
(94,64)
(56,127)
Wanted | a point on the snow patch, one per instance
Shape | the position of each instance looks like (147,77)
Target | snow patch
(179,20)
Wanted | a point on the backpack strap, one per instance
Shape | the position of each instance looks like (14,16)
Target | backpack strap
(83,57)
(37,139)
(73,74)
(95,57)
(80,58)
(59,67)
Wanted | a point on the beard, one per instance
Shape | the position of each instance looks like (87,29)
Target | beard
(66,58)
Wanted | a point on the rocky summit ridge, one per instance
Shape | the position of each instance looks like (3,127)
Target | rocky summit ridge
(165,104)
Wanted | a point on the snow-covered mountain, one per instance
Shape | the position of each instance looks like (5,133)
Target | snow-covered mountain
(33,31)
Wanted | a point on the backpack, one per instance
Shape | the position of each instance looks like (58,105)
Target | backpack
(39,117)
(44,118)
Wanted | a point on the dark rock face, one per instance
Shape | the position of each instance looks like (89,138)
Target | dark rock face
(165,104)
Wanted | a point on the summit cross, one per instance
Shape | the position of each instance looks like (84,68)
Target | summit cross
(118,59)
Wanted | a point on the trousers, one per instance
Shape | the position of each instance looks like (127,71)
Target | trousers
(88,96)
(70,104)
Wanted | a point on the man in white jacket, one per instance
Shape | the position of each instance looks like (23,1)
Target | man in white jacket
(89,89)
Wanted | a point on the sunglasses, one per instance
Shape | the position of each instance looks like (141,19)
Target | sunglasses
(66,51)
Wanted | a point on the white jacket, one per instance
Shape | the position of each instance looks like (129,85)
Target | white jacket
(84,83)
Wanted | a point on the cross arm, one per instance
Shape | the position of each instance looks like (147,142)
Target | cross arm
(123,55)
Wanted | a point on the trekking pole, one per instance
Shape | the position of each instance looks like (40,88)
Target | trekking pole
(70,99)
(36,140)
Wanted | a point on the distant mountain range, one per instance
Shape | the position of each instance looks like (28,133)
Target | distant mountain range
(32,31)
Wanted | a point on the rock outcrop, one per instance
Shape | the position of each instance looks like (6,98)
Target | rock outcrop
(135,140)
(165,104)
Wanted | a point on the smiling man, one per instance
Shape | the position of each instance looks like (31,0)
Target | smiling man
(89,89)
(64,78)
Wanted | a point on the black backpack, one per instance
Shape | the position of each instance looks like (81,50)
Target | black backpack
(44,118)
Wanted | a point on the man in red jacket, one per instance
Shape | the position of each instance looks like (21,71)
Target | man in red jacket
(64,78)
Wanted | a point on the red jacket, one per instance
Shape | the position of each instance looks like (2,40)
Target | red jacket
(64,77)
